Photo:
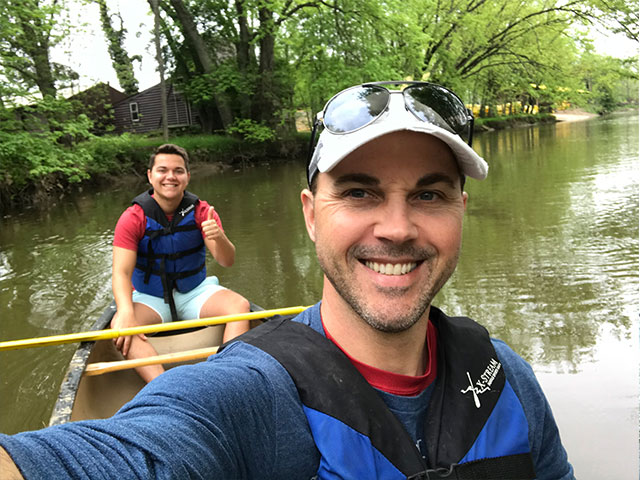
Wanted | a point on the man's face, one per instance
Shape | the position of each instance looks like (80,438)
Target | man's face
(168,177)
(387,224)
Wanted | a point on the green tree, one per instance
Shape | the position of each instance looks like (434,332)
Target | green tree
(620,16)
(26,37)
(358,41)
(232,56)
(121,61)
(604,81)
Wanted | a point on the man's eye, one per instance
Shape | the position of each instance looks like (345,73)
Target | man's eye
(356,193)
(428,196)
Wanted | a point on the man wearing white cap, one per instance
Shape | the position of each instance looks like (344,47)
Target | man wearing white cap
(371,382)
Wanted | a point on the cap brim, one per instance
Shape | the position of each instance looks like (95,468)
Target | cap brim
(333,147)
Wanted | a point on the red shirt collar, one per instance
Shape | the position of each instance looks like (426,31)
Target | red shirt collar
(397,384)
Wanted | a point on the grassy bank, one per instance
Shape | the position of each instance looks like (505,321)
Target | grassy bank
(511,121)
(34,170)
(116,155)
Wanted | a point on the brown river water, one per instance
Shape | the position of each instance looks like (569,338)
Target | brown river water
(549,264)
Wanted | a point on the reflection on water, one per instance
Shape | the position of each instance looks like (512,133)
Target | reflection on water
(551,241)
(599,403)
(549,264)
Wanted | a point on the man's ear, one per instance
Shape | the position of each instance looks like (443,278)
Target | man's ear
(149,175)
(309,213)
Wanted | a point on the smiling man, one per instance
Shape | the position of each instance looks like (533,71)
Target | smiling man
(159,247)
(387,237)
(373,382)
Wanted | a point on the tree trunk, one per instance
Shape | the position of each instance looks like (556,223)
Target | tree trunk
(265,107)
(121,61)
(38,50)
(243,55)
(160,60)
(190,31)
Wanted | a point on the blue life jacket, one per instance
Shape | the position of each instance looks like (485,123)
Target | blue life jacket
(475,425)
(172,253)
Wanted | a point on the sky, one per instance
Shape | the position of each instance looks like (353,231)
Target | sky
(86,51)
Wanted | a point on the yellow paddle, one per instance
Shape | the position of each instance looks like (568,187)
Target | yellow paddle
(160,327)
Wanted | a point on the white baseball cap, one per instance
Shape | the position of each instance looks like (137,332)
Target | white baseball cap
(333,147)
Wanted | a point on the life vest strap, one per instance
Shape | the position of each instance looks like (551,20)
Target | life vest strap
(169,230)
(171,275)
(169,256)
(506,468)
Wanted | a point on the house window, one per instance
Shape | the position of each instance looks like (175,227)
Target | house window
(133,109)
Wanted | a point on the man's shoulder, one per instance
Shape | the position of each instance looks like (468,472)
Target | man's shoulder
(547,451)
(311,318)
(130,228)
(247,363)
(506,353)
(132,212)
(523,381)
(515,366)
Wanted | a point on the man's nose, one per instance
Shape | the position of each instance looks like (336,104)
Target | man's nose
(396,222)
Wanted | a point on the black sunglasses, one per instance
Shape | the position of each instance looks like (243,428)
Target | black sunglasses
(359,106)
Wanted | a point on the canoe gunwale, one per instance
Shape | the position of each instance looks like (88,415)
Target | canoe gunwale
(63,408)
(69,387)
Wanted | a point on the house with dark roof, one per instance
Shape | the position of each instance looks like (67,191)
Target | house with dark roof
(98,103)
(142,112)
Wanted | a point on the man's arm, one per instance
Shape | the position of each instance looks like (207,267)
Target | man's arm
(548,453)
(217,242)
(231,417)
(8,468)
(124,262)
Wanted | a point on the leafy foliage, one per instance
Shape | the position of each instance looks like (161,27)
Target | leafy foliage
(253,67)
(122,62)
(252,131)
(44,149)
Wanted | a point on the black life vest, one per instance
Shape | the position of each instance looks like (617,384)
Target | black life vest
(475,426)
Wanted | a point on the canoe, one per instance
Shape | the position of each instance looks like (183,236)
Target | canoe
(84,396)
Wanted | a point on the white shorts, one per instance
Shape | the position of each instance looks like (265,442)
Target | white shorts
(188,304)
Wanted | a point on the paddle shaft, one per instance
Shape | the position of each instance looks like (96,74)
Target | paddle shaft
(155,328)
(105,367)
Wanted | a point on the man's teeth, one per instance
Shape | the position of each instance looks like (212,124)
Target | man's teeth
(390,268)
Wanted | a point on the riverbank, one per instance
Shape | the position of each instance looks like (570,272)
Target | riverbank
(101,161)
(574,115)
(526,120)
(106,160)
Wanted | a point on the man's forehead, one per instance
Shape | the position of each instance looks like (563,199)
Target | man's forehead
(166,158)
(399,148)
(367,179)
(390,159)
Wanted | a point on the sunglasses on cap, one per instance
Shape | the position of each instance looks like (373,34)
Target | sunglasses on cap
(357,107)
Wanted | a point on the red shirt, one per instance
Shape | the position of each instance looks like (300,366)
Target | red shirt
(132,224)
(395,383)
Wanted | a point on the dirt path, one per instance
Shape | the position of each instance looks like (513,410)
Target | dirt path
(573,115)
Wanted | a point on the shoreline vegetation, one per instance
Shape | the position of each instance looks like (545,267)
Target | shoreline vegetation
(116,158)
(245,73)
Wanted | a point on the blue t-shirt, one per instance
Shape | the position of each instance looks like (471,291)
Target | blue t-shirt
(235,416)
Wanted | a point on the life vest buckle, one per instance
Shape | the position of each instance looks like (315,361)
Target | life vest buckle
(435,474)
